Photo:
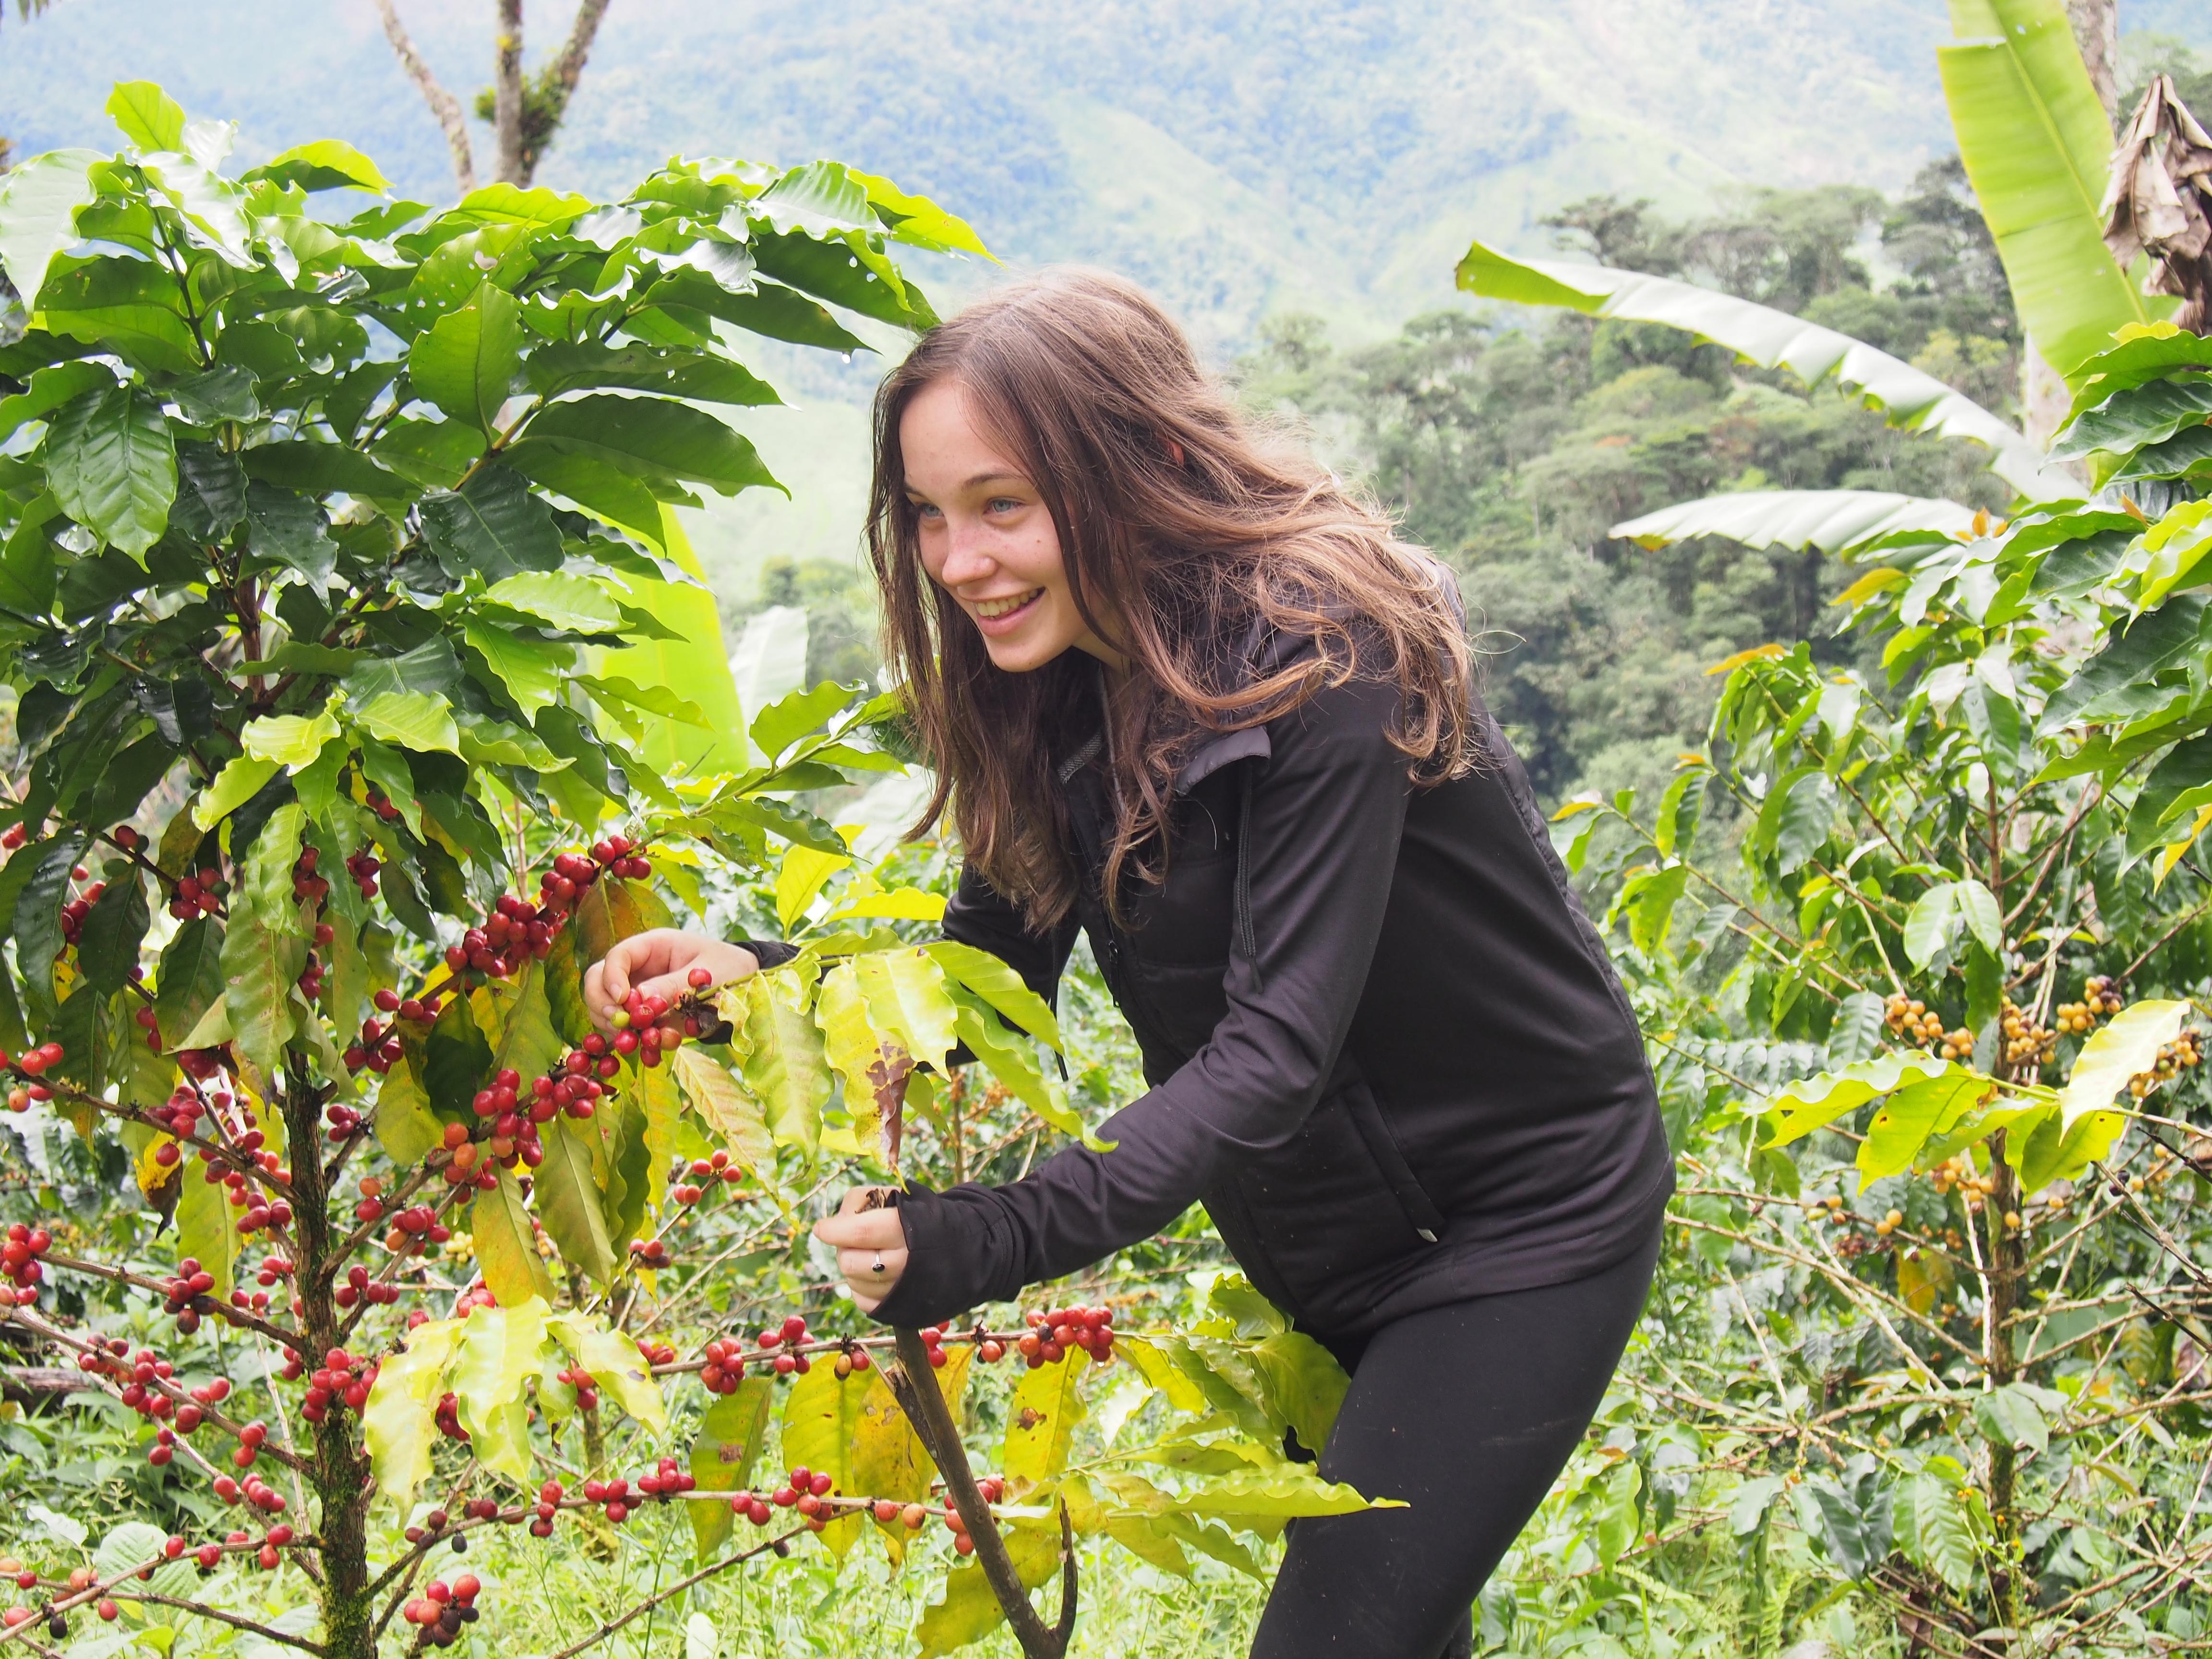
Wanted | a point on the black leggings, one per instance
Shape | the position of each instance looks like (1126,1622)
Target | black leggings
(1467,1413)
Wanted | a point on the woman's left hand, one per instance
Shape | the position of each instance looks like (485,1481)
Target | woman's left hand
(870,1244)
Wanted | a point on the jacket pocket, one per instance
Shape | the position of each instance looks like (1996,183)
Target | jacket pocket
(1390,1157)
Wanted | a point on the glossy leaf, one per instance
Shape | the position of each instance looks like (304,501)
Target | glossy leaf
(1834,520)
(612,1359)
(399,1423)
(653,437)
(112,466)
(732,1114)
(491,527)
(498,1352)
(465,362)
(38,204)
(1042,1415)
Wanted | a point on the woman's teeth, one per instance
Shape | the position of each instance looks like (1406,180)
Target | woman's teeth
(995,608)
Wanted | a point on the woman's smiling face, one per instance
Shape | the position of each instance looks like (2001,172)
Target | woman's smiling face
(985,537)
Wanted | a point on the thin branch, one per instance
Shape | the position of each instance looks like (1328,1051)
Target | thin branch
(778,1544)
(443,104)
(557,82)
(507,91)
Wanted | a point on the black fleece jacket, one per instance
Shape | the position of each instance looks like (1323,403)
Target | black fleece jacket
(1387,1050)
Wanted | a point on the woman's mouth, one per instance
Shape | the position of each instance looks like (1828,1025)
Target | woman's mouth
(998,616)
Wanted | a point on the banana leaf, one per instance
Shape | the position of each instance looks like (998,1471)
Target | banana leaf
(1773,339)
(1834,520)
(2037,148)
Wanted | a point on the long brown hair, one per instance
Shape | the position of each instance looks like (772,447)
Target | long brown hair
(1179,521)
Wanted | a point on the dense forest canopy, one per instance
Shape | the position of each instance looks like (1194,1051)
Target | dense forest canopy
(1510,443)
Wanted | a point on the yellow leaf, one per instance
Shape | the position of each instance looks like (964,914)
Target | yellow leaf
(1757,653)
(616,1364)
(887,1457)
(1041,1420)
(1868,584)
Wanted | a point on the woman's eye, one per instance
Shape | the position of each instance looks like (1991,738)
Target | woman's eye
(1001,504)
(927,510)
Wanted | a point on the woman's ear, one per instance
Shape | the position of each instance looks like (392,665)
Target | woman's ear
(1174,452)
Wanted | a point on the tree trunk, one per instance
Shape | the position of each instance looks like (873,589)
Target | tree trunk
(339,1469)
(2097,32)
(443,104)
(507,92)
(2008,1261)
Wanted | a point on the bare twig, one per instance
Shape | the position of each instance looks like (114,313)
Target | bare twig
(443,104)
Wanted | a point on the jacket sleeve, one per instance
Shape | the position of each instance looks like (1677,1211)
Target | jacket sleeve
(1328,807)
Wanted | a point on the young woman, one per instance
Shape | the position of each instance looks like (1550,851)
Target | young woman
(1187,696)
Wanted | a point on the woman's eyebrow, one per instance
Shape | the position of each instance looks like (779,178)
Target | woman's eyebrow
(991,478)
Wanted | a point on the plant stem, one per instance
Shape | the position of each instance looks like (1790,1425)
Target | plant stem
(912,1383)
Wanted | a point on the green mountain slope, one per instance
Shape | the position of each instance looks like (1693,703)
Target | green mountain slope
(1241,156)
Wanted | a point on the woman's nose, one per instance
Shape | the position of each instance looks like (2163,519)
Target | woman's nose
(966,558)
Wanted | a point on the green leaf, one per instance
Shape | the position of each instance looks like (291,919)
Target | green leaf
(1812,1103)
(49,389)
(263,949)
(771,309)
(435,453)
(785,1067)
(904,990)
(2010,1416)
(575,603)
(289,528)
(413,720)
(698,376)
(189,980)
(919,221)
(820,1420)
(652,437)
(1809,813)
(2036,144)
(325,164)
(1977,908)
(997,985)
(785,721)
(210,493)
(969,1610)
(1943,1529)
(2135,418)
(314,468)
(1834,520)
(493,527)
(1773,339)
(205,1230)
(112,466)
(465,362)
(602,488)
(38,204)
(1903,1124)
(1855,1030)
(291,740)
(148,117)
(569,1198)
(406,1127)
(533,670)
(2086,1126)
(1932,924)
(506,1252)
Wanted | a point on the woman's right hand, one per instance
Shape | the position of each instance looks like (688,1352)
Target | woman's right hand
(660,961)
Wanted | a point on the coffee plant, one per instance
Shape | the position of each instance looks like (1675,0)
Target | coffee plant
(365,693)
(1922,939)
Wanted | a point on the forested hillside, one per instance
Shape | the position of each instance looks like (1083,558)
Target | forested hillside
(1510,445)
(1242,158)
